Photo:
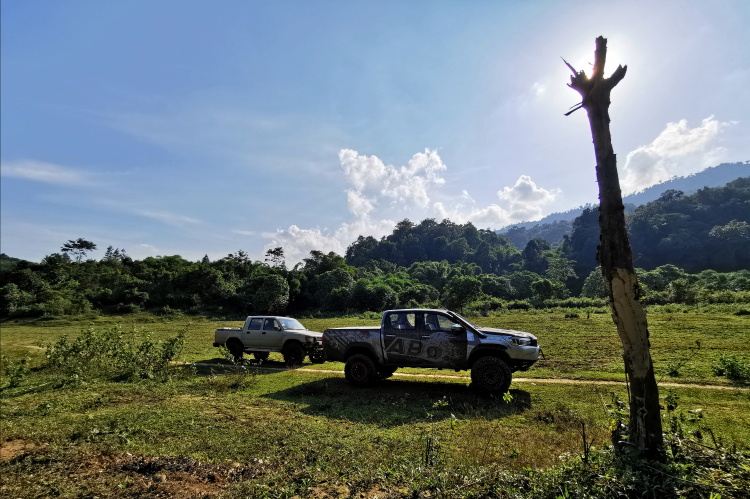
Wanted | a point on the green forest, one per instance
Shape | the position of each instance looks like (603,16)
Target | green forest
(687,249)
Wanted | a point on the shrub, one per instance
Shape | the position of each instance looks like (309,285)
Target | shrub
(733,368)
(519,305)
(128,308)
(112,354)
(16,372)
(575,303)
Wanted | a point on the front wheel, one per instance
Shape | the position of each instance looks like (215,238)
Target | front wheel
(360,370)
(491,374)
(294,354)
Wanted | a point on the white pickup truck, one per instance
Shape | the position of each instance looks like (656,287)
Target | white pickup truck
(261,335)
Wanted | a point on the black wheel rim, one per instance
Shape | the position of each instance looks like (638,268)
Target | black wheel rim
(359,371)
(491,377)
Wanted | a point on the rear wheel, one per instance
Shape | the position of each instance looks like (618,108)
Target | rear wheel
(294,354)
(491,374)
(260,356)
(236,349)
(318,357)
(360,370)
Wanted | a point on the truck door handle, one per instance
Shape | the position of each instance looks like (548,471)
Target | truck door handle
(390,335)
(263,332)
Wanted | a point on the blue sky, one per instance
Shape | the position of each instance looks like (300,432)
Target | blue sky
(199,128)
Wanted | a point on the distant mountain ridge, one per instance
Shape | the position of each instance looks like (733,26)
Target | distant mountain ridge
(714,176)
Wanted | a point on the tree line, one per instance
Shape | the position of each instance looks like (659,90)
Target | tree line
(682,242)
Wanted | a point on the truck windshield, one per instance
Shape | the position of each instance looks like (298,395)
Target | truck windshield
(291,324)
(467,321)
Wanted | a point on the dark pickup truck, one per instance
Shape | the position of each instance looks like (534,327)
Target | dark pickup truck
(431,338)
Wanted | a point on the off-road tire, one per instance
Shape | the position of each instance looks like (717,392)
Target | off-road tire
(386,372)
(262,356)
(294,354)
(491,375)
(360,370)
(237,350)
(318,357)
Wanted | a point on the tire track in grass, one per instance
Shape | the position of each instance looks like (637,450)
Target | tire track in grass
(561,381)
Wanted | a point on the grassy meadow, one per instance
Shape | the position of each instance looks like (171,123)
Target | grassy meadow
(211,429)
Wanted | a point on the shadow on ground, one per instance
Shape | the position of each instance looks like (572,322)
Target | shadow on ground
(397,401)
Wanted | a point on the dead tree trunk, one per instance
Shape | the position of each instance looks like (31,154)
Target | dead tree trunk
(616,259)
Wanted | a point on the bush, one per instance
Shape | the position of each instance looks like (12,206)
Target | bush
(16,372)
(519,305)
(128,308)
(733,368)
(575,303)
(112,354)
(486,305)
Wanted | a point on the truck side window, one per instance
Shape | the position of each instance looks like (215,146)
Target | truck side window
(437,322)
(255,324)
(401,321)
(268,325)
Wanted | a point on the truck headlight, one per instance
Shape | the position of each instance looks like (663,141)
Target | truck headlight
(522,342)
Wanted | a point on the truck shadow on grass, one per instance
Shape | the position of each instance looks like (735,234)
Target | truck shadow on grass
(219,365)
(396,402)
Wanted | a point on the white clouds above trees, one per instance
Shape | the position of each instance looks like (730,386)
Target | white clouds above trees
(678,150)
(377,187)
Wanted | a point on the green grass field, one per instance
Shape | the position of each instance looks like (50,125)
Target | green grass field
(586,347)
(281,433)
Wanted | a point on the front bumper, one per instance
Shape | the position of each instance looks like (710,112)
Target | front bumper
(524,353)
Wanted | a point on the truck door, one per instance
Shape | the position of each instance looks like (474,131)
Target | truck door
(252,334)
(401,338)
(441,346)
(271,334)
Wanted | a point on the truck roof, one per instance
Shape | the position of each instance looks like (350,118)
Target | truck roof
(412,310)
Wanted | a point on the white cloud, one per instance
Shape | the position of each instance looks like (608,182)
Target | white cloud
(347,233)
(298,243)
(404,186)
(144,250)
(245,232)
(525,191)
(44,172)
(678,150)
(522,202)
(359,205)
(167,217)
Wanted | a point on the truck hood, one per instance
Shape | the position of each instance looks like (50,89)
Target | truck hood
(505,332)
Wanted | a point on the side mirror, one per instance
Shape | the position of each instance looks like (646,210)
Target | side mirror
(457,328)
(277,328)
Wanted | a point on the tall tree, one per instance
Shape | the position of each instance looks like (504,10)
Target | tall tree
(275,257)
(78,248)
(616,258)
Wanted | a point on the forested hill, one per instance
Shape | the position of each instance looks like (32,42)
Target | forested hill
(714,176)
(432,241)
(706,230)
